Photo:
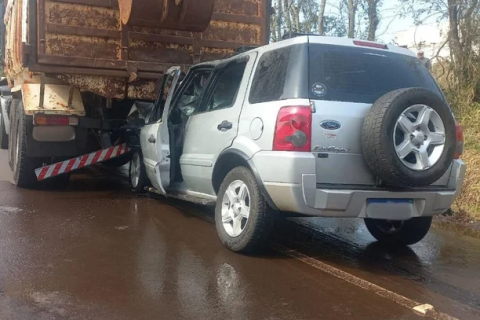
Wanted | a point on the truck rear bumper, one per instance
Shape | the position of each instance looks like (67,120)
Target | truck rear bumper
(302,196)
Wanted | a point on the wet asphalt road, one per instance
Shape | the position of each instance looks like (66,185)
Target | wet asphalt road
(95,251)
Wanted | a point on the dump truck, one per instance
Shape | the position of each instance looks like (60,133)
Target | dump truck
(76,66)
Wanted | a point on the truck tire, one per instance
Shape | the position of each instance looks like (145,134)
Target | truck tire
(402,233)
(408,137)
(12,132)
(137,174)
(3,134)
(119,161)
(243,219)
(23,165)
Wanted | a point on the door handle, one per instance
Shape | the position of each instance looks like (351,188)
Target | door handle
(152,139)
(225,125)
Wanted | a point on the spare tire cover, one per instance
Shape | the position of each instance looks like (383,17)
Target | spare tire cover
(408,137)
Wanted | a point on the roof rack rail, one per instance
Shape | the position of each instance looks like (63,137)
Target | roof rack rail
(243,49)
(292,34)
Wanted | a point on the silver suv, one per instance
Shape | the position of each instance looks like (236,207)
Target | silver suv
(313,125)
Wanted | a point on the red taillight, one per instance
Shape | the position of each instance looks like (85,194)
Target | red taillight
(459,141)
(293,131)
(53,120)
(370,44)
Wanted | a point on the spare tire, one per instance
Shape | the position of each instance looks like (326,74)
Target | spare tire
(408,137)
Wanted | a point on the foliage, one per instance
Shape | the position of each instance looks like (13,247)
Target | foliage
(355,18)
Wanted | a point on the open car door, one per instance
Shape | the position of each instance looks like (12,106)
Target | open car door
(154,136)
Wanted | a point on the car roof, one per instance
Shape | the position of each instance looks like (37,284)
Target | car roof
(347,42)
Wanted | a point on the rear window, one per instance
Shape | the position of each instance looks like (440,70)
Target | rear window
(269,79)
(338,73)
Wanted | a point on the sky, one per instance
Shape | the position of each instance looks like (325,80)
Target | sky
(390,22)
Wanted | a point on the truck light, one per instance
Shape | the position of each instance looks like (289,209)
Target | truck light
(54,120)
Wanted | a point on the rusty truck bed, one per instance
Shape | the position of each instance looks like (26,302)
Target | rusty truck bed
(83,42)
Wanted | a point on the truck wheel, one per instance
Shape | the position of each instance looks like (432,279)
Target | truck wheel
(12,132)
(118,162)
(408,137)
(137,173)
(23,165)
(3,134)
(243,219)
(403,233)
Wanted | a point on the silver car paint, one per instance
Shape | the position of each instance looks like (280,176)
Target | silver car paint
(200,154)
(291,178)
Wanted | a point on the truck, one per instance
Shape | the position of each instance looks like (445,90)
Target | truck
(75,67)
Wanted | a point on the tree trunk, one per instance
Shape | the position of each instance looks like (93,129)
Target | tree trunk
(321,14)
(373,19)
(286,10)
(454,42)
(279,19)
(352,11)
(295,17)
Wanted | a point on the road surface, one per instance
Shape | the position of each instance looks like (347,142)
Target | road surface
(96,251)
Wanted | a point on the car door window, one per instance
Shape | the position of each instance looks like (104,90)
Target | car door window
(189,101)
(225,89)
(159,105)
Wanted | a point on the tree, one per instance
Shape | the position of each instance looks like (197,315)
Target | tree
(373,18)
(310,14)
(352,12)
(321,18)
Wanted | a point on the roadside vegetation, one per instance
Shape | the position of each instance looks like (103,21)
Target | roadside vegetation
(458,75)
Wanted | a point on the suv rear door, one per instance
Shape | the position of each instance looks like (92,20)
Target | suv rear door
(344,81)
(214,126)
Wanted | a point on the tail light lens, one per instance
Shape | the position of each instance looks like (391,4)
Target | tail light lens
(459,141)
(54,120)
(293,131)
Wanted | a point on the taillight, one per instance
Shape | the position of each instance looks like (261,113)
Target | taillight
(370,44)
(293,131)
(54,120)
(459,141)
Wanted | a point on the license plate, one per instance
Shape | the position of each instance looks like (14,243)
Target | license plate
(386,201)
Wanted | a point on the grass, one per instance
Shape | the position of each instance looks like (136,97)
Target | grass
(467,205)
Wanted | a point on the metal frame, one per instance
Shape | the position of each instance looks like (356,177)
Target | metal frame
(39,59)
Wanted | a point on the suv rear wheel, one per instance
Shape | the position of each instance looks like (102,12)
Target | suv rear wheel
(399,232)
(243,218)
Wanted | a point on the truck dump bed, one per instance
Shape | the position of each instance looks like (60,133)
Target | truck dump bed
(84,43)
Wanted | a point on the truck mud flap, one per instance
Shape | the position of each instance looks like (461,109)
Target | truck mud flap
(67,166)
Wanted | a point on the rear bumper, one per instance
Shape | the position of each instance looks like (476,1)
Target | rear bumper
(290,181)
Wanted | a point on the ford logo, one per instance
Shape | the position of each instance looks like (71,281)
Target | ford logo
(330,125)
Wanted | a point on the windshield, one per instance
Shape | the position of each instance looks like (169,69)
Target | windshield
(339,73)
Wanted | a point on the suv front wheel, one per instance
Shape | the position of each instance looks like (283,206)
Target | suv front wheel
(399,232)
(243,218)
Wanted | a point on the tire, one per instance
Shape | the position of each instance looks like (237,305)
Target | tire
(258,227)
(12,132)
(118,162)
(23,165)
(379,134)
(403,233)
(137,168)
(3,134)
